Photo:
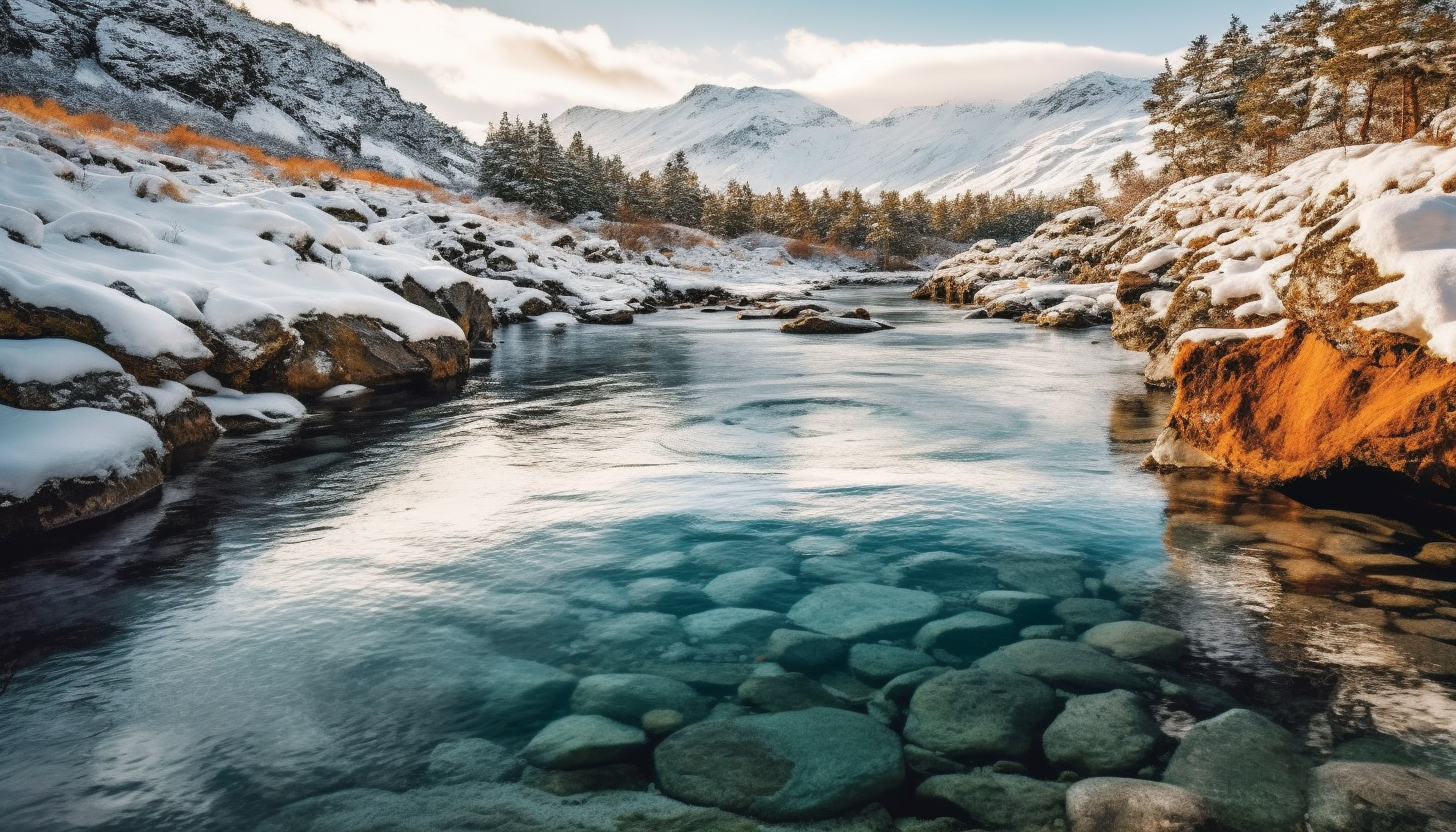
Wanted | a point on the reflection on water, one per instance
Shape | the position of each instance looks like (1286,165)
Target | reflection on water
(315,609)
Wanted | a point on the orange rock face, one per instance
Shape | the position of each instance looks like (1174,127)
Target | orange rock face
(1277,409)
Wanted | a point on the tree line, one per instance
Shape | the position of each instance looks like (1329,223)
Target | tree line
(1326,74)
(524,162)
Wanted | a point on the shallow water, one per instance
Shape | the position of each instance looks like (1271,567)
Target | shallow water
(315,609)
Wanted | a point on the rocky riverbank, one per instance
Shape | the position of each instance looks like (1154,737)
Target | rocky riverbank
(154,294)
(1302,317)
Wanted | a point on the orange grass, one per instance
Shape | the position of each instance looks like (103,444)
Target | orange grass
(182,139)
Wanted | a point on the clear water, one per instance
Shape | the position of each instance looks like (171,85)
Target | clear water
(314,609)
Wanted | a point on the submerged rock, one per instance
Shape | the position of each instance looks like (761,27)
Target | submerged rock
(732,626)
(980,715)
(877,664)
(1018,606)
(805,652)
(1069,665)
(1371,797)
(805,765)
(627,697)
(1042,578)
(967,636)
(1137,641)
(582,742)
(1111,804)
(998,802)
(1251,772)
(520,696)
(814,323)
(775,690)
(865,612)
(472,761)
(1100,734)
(763,588)
(1084,613)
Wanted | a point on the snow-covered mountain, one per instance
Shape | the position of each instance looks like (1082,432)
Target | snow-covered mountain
(206,64)
(778,138)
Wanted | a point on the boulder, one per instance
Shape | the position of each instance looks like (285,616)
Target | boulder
(583,742)
(1112,804)
(877,664)
(901,688)
(979,714)
(1021,607)
(1251,772)
(472,760)
(1084,613)
(865,612)
(520,696)
(763,588)
(804,765)
(711,678)
(627,697)
(1137,641)
(794,310)
(998,802)
(1064,664)
(617,777)
(944,573)
(835,570)
(733,626)
(1101,734)
(776,690)
(814,323)
(1366,797)
(805,652)
(667,595)
(967,636)
(1042,578)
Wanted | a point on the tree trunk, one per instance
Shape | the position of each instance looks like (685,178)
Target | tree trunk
(1415,106)
(1370,91)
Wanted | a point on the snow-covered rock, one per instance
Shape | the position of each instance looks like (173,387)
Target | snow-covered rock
(780,139)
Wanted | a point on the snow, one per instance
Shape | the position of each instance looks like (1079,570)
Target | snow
(52,361)
(168,396)
(556,319)
(780,139)
(43,445)
(275,408)
(344,391)
(1275,330)
(1155,260)
(21,224)
(1413,236)
(111,229)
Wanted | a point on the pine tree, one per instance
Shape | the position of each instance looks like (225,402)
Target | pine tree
(680,193)
(1283,99)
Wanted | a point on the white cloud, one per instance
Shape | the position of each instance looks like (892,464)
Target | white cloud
(468,64)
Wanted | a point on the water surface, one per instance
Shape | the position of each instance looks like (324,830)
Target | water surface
(316,608)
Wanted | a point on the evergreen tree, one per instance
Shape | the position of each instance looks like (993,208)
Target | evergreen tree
(680,194)
(1283,99)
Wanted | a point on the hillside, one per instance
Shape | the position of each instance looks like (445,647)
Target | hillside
(780,139)
(208,65)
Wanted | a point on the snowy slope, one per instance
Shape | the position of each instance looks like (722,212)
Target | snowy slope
(780,139)
(209,65)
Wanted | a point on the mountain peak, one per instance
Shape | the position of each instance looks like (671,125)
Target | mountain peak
(1086,90)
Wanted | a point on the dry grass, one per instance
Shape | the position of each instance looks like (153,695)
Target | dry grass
(641,235)
(182,139)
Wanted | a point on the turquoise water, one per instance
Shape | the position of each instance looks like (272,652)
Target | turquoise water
(315,609)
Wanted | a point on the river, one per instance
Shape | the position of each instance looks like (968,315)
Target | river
(314,608)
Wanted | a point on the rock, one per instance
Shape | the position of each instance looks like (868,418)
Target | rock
(1137,641)
(1083,613)
(668,596)
(1136,581)
(1018,606)
(1112,804)
(610,316)
(636,631)
(1442,555)
(1042,578)
(814,323)
(834,570)
(627,697)
(1101,734)
(775,690)
(1051,631)
(520,696)
(733,626)
(805,652)
(936,825)
(865,612)
(877,664)
(821,545)
(658,563)
(1437,628)
(849,690)
(967,636)
(619,777)
(944,573)
(927,763)
(804,765)
(1366,797)
(1068,665)
(998,802)
(794,310)
(1251,772)
(901,688)
(583,742)
(763,588)
(723,556)
(712,678)
(660,723)
(472,761)
(979,715)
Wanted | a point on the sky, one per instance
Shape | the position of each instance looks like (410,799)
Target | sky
(469,60)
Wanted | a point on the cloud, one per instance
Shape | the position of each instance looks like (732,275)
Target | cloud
(468,64)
